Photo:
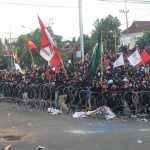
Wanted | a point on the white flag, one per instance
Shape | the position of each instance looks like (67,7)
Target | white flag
(135,58)
(18,67)
(119,61)
(46,53)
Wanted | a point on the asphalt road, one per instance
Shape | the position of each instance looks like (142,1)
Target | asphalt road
(28,130)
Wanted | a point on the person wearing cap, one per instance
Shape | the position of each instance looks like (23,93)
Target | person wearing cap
(88,91)
(125,98)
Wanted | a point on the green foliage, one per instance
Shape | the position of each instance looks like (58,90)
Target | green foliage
(73,42)
(107,24)
(6,42)
(63,56)
(1,46)
(144,39)
(4,60)
(59,42)
(24,53)
(87,43)
(0,42)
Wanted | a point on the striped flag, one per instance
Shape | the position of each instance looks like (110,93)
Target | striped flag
(48,48)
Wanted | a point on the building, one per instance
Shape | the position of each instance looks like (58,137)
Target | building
(136,30)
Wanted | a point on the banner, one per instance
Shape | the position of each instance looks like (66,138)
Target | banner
(78,54)
(135,58)
(125,41)
(8,53)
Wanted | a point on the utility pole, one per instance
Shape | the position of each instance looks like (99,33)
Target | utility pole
(81,30)
(9,38)
(10,47)
(126,14)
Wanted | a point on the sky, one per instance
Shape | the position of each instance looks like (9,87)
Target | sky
(65,15)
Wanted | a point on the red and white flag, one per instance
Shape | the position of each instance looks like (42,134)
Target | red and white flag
(48,51)
(145,57)
(135,58)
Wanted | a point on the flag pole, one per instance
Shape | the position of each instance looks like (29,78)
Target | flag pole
(101,57)
(31,57)
(64,69)
(14,63)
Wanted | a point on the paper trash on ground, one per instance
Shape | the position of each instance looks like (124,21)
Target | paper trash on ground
(101,110)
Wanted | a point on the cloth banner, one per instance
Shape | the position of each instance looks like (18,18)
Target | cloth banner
(78,54)
(125,41)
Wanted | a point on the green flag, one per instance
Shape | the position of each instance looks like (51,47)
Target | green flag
(92,68)
(72,63)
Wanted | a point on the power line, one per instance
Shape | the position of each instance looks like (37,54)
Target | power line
(41,5)
(129,1)
(136,19)
(23,4)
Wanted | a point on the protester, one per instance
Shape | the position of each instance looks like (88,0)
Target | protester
(117,85)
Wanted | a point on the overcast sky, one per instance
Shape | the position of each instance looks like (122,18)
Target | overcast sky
(65,15)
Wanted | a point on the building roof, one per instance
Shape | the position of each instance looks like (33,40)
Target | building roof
(138,26)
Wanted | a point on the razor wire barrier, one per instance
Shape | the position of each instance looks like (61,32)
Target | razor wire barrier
(40,97)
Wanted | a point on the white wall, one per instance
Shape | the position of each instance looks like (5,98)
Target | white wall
(133,38)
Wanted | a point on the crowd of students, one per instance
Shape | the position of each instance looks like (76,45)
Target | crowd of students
(114,82)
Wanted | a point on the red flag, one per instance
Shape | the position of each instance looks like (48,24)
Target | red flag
(93,48)
(49,51)
(31,45)
(145,57)
(106,62)
(79,48)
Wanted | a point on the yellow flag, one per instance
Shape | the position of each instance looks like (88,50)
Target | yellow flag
(16,55)
(23,71)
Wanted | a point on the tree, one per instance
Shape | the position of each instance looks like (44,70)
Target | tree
(23,51)
(73,42)
(87,43)
(107,24)
(142,41)
(1,46)
(6,42)
(59,42)
(4,61)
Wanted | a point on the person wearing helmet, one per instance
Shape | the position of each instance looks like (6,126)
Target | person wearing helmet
(126,98)
(110,82)
(112,93)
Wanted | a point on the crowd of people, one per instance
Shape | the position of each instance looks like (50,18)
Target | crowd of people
(113,84)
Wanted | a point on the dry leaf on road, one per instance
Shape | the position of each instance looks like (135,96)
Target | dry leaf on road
(6,148)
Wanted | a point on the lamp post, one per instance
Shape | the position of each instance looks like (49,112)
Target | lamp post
(27,28)
(50,24)
(126,14)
